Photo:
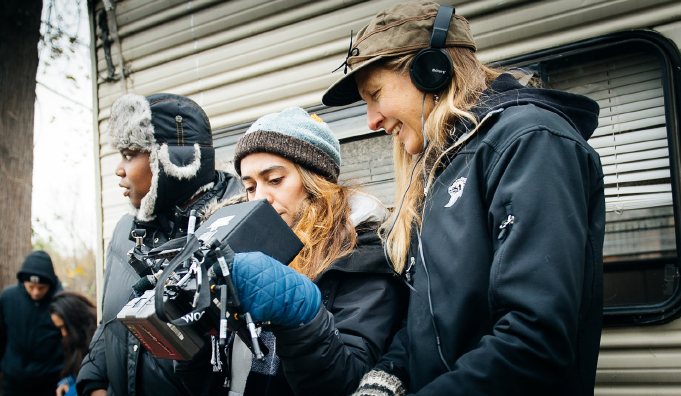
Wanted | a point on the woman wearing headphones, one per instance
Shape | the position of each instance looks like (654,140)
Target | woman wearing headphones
(501,213)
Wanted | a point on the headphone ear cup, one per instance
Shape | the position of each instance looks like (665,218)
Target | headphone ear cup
(431,70)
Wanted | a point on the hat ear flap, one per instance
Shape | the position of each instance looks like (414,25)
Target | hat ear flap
(183,163)
(146,209)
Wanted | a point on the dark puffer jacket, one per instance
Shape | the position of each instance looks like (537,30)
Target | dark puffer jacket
(512,239)
(30,344)
(364,305)
(117,362)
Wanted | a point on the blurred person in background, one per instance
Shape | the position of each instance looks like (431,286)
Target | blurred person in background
(76,317)
(30,344)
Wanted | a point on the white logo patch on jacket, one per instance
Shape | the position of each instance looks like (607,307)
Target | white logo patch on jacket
(455,190)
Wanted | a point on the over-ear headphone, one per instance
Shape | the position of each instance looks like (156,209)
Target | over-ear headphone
(432,69)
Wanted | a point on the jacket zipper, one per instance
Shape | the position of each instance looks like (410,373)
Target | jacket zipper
(408,272)
(505,225)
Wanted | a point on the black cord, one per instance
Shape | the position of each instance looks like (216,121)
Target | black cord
(411,179)
(418,234)
(430,304)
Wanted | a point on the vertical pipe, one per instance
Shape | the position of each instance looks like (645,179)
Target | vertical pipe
(99,245)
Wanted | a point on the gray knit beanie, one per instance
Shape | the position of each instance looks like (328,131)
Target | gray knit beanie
(294,135)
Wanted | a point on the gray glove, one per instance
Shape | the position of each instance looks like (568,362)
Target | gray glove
(380,383)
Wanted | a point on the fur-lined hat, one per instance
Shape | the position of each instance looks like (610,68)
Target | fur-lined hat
(177,134)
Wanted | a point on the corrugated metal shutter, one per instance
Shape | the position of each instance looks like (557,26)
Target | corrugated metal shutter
(369,162)
(244,58)
(640,361)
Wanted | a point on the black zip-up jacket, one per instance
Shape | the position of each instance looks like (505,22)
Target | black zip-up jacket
(512,238)
(116,361)
(30,343)
(364,304)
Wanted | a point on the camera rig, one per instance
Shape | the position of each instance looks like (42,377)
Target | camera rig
(186,288)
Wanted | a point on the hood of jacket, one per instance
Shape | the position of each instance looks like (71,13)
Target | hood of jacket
(47,298)
(367,213)
(579,111)
(38,263)
(366,209)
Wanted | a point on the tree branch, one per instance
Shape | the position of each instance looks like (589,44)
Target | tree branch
(62,95)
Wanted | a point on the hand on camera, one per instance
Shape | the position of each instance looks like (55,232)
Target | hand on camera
(62,389)
(273,292)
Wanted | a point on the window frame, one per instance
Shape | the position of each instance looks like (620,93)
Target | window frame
(670,64)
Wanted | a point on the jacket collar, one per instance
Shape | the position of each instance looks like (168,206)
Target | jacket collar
(505,91)
(173,224)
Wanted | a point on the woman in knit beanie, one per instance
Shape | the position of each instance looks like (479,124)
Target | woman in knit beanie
(305,146)
(293,160)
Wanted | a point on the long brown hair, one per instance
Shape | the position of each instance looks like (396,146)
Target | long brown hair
(471,78)
(323,224)
(80,321)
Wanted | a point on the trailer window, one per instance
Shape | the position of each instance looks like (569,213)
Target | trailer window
(632,79)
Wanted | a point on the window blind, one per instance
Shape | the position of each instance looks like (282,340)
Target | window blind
(632,141)
(631,137)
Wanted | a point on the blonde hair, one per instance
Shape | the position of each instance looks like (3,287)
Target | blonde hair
(470,79)
(323,224)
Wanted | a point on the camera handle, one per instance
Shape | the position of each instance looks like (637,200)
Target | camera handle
(203,301)
(242,323)
(225,317)
(254,344)
(227,275)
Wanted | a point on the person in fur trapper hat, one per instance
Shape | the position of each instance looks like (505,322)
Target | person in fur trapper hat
(175,133)
(167,169)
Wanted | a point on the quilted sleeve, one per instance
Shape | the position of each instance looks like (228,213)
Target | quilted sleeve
(273,292)
(330,354)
